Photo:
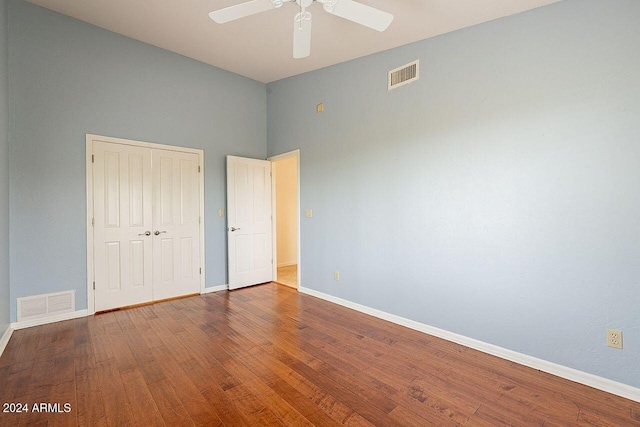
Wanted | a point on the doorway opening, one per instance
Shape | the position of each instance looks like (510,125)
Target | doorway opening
(286,218)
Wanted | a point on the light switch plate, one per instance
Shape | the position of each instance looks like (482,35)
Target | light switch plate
(309,213)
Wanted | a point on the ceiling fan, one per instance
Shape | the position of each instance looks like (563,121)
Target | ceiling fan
(347,9)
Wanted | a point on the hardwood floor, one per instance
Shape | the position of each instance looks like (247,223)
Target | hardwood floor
(270,356)
(288,275)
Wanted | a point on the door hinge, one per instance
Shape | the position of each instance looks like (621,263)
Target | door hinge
(198,169)
(199,220)
(200,270)
(93,159)
(94,286)
(93,221)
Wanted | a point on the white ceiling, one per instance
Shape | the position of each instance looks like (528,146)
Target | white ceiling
(260,46)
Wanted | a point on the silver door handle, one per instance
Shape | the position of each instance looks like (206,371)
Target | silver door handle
(234,229)
(146,233)
(157,233)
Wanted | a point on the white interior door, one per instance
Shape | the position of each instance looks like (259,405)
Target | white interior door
(146,234)
(249,221)
(176,228)
(123,224)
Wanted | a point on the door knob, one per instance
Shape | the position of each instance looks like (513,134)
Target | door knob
(146,233)
(157,233)
(234,229)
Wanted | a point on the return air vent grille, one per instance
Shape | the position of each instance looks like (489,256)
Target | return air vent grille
(403,75)
(46,305)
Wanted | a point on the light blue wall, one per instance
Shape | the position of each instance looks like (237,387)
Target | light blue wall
(498,197)
(68,79)
(4,173)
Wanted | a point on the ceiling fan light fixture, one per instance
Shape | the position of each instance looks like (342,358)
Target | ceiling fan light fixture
(328,5)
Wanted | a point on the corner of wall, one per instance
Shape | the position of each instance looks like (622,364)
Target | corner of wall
(5,330)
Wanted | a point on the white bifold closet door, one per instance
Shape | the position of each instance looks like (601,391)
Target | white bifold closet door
(176,214)
(146,231)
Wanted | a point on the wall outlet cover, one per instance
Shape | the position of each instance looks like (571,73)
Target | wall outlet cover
(614,338)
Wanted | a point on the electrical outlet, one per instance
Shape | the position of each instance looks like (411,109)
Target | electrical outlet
(614,338)
(336,276)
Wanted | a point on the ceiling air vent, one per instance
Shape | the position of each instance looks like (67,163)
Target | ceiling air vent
(405,74)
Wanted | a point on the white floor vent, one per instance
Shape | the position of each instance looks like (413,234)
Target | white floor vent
(46,305)
(405,74)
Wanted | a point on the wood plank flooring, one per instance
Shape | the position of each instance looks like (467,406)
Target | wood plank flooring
(268,355)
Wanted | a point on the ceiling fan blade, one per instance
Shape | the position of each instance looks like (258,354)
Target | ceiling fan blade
(302,35)
(361,14)
(241,10)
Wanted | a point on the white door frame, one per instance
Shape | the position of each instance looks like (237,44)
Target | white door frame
(90,138)
(296,154)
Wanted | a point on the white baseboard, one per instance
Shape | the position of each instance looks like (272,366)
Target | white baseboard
(575,375)
(50,319)
(215,289)
(287,264)
(5,339)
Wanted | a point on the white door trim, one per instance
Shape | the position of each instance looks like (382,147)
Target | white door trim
(90,138)
(296,154)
